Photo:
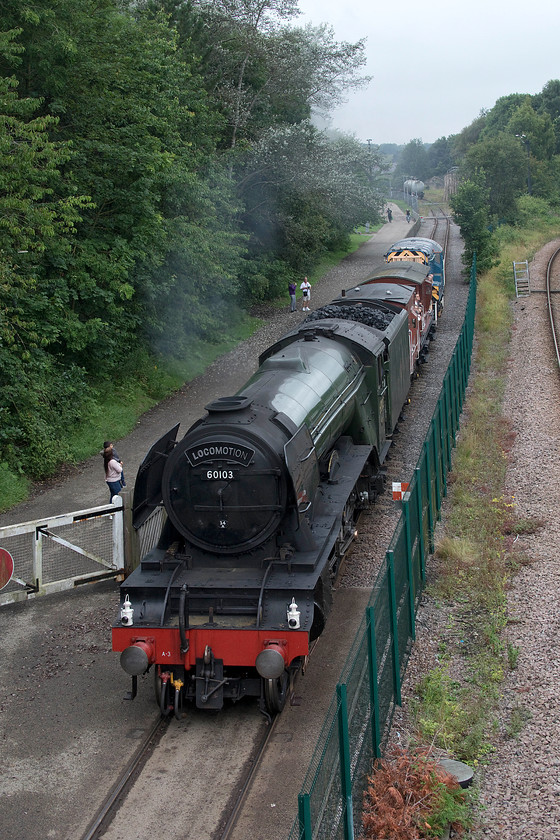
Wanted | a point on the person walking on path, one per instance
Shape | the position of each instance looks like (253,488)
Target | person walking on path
(292,293)
(408,216)
(306,290)
(113,472)
(389,214)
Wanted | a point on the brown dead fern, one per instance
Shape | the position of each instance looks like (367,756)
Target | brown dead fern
(409,796)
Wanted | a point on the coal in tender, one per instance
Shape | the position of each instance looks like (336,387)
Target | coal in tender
(368,315)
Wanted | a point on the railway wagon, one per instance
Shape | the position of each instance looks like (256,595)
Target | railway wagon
(425,251)
(422,316)
(262,496)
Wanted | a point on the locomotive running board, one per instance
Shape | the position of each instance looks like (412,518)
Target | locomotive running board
(332,497)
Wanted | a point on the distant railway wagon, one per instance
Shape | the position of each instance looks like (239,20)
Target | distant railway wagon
(417,249)
(415,187)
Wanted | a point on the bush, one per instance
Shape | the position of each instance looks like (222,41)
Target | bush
(410,796)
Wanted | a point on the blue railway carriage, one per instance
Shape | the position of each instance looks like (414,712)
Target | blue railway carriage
(417,249)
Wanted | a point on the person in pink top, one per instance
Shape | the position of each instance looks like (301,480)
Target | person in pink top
(113,472)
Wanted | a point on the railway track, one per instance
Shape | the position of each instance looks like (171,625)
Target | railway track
(552,289)
(123,784)
(196,772)
(436,234)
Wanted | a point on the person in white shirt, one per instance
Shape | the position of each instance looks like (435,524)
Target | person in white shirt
(306,290)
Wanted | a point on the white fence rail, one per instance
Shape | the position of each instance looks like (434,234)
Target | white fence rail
(59,552)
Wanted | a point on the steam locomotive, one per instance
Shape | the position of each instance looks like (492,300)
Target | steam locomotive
(262,497)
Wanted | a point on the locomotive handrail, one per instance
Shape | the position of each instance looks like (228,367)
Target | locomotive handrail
(261,593)
(183,621)
(238,508)
(168,590)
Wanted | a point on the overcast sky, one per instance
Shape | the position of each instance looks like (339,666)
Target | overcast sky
(436,64)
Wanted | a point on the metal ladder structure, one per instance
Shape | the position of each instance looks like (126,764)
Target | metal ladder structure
(521,274)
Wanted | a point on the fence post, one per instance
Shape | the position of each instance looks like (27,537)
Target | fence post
(38,559)
(444,411)
(304,813)
(420,514)
(118,534)
(344,749)
(437,466)
(394,626)
(456,402)
(373,686)
(409,572)
(429,476)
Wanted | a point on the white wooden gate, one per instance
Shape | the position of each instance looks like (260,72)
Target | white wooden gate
(59,552)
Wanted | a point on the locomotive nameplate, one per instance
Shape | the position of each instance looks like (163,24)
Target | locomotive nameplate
(235,453)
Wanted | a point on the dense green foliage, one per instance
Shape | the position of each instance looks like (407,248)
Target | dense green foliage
(509,151)
(158,174)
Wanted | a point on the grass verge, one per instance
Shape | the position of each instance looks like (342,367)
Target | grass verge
(114,408)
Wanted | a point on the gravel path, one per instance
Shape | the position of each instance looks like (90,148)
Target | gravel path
(521,786)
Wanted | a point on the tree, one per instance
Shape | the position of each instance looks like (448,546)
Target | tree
(501,158)
(303,191)
(470,212)
(548,102)
(535,129)
(498,117)
(39,397)
(440,156)
(414,161)
(469,135)
(261,72)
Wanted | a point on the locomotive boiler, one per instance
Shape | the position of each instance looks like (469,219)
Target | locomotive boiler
(261,497)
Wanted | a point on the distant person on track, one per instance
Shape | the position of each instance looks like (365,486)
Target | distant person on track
(389,214)
(292,293)
(113,471)
(408,216)
(306,290)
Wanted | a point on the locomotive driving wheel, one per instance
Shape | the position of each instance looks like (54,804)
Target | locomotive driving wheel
(276,692)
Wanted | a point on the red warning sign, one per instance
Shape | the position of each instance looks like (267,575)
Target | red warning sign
(399,489)
(6,567)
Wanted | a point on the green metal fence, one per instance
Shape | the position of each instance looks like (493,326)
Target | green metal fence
(360,714)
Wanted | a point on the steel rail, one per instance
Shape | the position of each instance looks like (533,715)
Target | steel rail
(235,809)
(549,293)
(106,812)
